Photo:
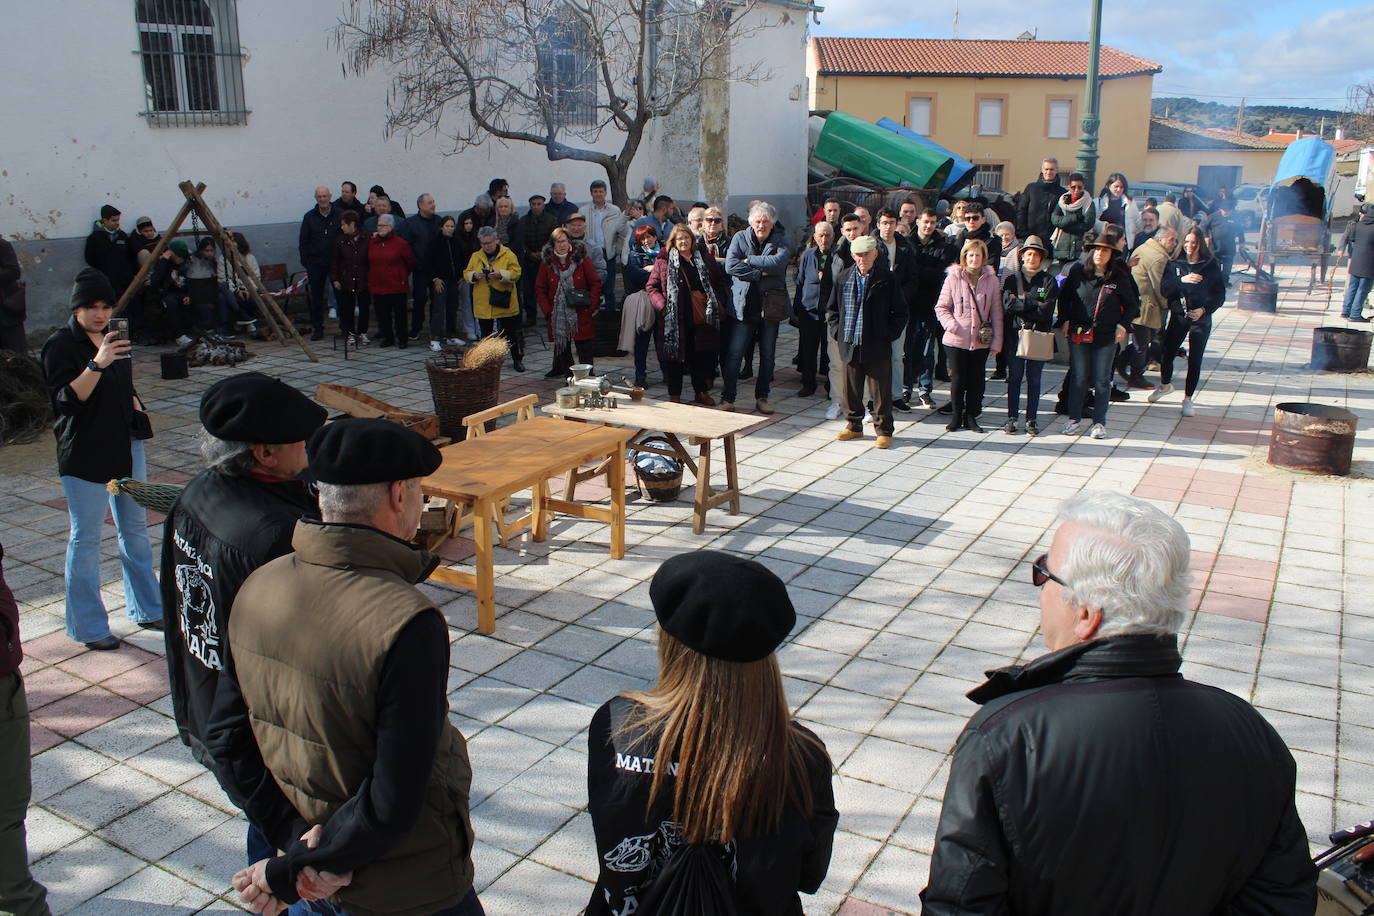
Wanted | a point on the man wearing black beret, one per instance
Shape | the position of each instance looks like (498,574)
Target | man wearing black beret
(232,517)
(343,664)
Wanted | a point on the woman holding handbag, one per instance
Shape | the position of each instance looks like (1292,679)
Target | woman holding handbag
(970,311)
(706,796)
(1097,304)
(1030,297)
(689,290)
(101,425)
(568,290)
(1195,288)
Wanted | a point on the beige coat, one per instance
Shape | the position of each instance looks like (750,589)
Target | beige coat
(1151,260)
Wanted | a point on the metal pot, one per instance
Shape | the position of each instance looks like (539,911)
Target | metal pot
(569,397)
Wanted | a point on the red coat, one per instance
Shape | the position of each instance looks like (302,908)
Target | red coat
(584,277)
(389,262)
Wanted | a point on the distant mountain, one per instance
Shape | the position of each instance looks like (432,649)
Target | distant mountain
(1259,119)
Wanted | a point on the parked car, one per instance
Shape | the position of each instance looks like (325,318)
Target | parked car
(1250,203)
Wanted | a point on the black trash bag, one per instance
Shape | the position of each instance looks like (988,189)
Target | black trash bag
(694,881)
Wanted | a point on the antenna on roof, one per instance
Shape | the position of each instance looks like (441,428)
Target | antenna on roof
(956,20)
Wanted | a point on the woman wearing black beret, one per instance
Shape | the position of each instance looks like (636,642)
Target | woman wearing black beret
(741,817)
(100,425)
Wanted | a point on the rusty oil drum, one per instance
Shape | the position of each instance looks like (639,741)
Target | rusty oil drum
(1312,438)
(1340,349)
(1258,294)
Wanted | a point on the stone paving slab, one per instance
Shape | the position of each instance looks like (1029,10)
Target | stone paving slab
(908,569)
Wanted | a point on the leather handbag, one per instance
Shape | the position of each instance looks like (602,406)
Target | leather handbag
(776,305)
(1035,345)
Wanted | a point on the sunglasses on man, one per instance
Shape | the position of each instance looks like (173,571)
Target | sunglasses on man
(1040,572)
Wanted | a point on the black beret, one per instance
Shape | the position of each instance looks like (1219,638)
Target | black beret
(358,451)
(722,605)
(256,408)
(108,211)
(92,286)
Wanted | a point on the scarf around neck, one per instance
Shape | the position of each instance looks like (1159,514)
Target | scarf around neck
(672,343)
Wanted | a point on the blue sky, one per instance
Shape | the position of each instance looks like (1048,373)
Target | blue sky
(1270,51)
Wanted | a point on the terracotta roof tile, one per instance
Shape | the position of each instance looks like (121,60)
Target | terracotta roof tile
(1169,134)
(958,57)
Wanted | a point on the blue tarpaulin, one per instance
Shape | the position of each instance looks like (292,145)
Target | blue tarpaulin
(1311,158)
(959,175)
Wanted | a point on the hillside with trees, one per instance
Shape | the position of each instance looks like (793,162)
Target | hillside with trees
(1259,119)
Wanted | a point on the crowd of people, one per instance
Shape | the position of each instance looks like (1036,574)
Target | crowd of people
(309,674)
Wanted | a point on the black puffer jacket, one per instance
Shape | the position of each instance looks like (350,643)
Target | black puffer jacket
(1029,304)
(220,530)
(1078,300)
(1209,294)
(932,256)
(1097,780)
(632,843)
(1034,206)
(93,435)
(1360,239)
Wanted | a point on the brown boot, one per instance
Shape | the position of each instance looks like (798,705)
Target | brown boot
(846,434)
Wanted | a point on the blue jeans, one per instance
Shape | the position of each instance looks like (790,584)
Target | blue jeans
(1091,363)
(87,619)
(1016,369)
(742,333)
(1356,291)
(259,848)
(923,353)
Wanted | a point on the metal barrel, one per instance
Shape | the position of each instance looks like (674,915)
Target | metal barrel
(1258,294)
(1312,438)
(1340,349)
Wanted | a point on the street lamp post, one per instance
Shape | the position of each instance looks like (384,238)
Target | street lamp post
(1087,153)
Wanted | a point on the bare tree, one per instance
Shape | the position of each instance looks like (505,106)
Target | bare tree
(1358,117)
(556,73)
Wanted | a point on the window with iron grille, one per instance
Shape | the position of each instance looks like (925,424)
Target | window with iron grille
(988,175)
(566,70)
(192,65)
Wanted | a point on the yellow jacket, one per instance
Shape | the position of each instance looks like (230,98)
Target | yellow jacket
(506,278)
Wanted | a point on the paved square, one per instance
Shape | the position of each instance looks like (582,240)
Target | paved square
(908,570)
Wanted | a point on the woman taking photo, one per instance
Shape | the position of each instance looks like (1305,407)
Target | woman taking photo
(1116,207)
(1097,304)
(1029,299)
(447,258)
(100,427)
(389,263)
(688,289)
(643,253)
(569,291)
(970,311)
(703,787)
(1195,288)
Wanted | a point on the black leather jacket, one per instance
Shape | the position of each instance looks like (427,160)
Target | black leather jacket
(1097,780)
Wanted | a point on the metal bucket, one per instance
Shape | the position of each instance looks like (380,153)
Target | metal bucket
(1340,349)
(174,366)
(568,397)
(1258,294)
(1312,438)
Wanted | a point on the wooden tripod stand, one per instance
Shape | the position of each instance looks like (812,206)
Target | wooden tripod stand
(271,313)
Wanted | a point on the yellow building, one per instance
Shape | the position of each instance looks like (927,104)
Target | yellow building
(1003,105)
(1208,157)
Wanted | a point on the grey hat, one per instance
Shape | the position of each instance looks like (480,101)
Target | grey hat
(1033,243)
(863,244)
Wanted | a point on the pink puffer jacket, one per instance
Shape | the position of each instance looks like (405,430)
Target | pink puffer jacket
(958,314)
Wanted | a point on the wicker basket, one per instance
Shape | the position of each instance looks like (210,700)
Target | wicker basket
(459,391)
(659,486)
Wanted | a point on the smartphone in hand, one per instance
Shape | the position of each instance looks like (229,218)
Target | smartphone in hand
(118,329)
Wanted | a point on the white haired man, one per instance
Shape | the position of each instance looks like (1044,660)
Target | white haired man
(1095,778)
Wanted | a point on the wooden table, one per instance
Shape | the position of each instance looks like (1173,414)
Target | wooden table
(701,425)
(480,472)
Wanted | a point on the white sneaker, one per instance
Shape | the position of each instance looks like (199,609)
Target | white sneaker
(1098,431)
(1187,407)
(360,340)
(183,340)
(436,346)
(1073,427)
(333,313)
(834,411)
(1158,393)
(456,342)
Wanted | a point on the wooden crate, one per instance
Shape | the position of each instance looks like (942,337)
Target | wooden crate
(357,403)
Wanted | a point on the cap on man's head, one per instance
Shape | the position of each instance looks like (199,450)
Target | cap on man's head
(178,248)
(574,216)
(92,286)
(143,221)
(722,605)
(108,211)
(863,244)
(539,197)
(357,451)
(1033,243)
(256,408)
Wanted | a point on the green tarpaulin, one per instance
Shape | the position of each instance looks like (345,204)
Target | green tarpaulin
(879,157)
